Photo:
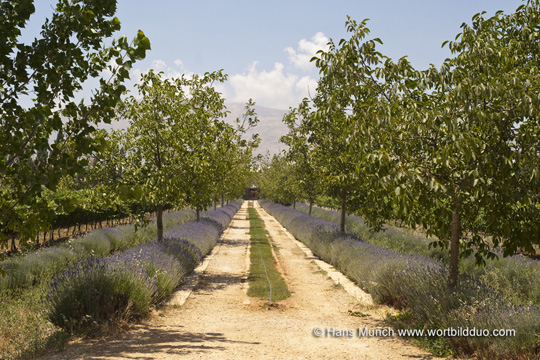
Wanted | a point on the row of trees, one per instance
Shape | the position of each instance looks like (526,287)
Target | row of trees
(177,152)
(453,149)
(56,163)
(178,149)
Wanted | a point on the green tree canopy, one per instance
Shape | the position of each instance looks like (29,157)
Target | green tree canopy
(45,132)
(454,149)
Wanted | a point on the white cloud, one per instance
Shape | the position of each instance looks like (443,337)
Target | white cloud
(307,49)
(275,88)
(170,72)
(272,88)
(159,65)
(307,85)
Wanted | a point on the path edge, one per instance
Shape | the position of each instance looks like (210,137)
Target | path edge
(337,277)
(180,296)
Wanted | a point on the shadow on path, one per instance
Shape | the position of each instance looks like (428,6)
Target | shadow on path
(149,340)
(233,242)
(213,282)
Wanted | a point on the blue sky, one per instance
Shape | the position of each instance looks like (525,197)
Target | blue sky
(264,46)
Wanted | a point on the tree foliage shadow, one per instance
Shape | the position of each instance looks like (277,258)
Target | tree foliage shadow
(148,340)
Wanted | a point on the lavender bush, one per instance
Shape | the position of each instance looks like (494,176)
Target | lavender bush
(388,238)
(516,276)
(224,215)
(125,286)
(42,265)
(97,291)
(417,284)
(163,268)
(23,272)
(95,244)
(187,253)
(177,217)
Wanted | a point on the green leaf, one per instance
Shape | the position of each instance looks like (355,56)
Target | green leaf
(145,43)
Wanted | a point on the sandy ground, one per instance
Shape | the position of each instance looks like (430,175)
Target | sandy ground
(219,321)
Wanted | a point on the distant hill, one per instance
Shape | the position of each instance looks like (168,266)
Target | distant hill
(270,127)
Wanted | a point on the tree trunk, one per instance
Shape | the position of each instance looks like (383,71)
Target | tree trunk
(310,205)
(215,204)
(159,222)
(222,199)
(13,247)
(343,208)
(198,211)
(453,272)
(294,203)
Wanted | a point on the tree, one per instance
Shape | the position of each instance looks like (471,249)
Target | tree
(177,141)
(155,142)
(300,154)
(474,148)
(45,132)
(356,98)
(276,180)
(447,145)
(204,132)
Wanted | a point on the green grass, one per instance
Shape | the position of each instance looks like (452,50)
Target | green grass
(25,332)
(258,276)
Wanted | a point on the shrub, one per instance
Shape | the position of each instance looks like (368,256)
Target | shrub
(97,291)
(167,271)
(183,250)
(95,244)
(177,217)
(42,265)
(516,276)
(203,234)
(224,215)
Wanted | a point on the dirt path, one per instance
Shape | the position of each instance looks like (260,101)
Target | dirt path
(219,321)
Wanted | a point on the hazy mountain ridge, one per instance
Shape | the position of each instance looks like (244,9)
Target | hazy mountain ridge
(270,128)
